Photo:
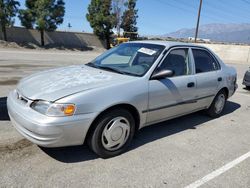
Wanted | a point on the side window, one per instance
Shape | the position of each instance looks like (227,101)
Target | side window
(204,62)
(177,61)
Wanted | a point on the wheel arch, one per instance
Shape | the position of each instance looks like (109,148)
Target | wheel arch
(133,110)
(226,90)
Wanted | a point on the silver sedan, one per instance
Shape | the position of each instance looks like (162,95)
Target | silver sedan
(123,90)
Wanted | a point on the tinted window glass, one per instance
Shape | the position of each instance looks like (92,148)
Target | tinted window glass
(204,62)
(177,61)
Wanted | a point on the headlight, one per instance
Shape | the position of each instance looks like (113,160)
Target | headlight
(53,109)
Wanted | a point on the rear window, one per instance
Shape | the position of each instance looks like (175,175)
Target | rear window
(204,62)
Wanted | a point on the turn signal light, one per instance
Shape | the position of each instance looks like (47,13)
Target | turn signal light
(69,110)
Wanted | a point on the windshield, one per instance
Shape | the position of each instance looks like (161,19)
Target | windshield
(129,58)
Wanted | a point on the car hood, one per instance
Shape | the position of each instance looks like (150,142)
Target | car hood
(57,83)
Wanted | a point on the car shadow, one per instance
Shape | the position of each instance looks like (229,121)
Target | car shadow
(72,154)
(146,135)
(4,116)
(171,127)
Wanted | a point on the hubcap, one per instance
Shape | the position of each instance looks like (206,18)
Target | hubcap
(116,133)
(219,104)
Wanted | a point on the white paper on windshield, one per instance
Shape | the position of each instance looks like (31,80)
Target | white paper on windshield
(147,51)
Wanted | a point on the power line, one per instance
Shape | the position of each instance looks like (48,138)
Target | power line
(186,4)
(236,6)
(218,14)
(192,11)
(176,7)
(208,7)
(222,11)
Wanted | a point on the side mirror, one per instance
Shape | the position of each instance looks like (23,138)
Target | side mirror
(161,74)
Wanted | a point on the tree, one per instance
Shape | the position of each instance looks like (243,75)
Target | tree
(118,9)
(8,10)
(101,19)
(129,17)
(44,15)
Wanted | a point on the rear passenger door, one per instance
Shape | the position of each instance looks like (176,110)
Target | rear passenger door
(206,75)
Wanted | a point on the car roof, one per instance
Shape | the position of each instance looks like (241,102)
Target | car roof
(168,44)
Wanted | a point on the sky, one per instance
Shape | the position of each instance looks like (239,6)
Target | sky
(158,17)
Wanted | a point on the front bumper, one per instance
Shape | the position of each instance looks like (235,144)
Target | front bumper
(48,131)
(246,79)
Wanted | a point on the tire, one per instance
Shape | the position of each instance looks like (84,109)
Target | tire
(248,87)
(215,110)
(112,133)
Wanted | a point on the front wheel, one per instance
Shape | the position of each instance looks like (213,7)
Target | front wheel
(218,104)
(113,133)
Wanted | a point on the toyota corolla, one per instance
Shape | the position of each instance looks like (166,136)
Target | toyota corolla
(128,87)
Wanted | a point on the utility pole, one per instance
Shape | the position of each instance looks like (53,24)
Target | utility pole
(198,22)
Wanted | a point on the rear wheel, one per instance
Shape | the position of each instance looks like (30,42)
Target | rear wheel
(218,104)
(113,133)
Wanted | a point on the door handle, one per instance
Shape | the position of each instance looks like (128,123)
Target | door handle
(191,84)
(219,79)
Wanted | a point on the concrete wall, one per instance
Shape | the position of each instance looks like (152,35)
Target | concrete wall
(54,39)
(231,53)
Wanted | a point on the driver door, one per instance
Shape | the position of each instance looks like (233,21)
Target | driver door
(173,96)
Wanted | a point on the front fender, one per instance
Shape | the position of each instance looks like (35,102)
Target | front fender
(134,93)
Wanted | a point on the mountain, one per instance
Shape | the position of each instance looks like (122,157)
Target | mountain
(238,33)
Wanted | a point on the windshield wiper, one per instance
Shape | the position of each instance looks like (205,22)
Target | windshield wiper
(111,69)
(130,73)
(104,67)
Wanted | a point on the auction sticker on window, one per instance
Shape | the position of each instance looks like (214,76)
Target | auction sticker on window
(147,51)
